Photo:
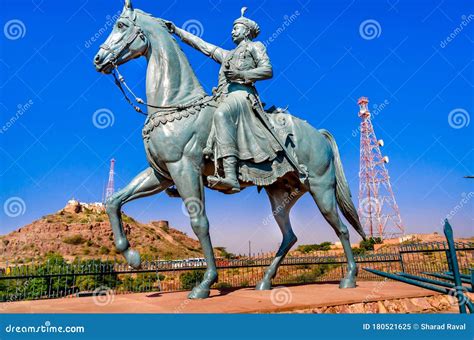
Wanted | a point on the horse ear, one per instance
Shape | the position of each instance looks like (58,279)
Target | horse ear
(128,4)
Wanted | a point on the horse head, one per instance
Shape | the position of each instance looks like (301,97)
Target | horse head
(126,42)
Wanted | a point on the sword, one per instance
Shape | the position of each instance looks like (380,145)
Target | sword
(303,172)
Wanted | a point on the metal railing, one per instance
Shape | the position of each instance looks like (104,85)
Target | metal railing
(446,275)
(56,277)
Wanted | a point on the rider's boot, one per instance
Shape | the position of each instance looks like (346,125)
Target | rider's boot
(229,182)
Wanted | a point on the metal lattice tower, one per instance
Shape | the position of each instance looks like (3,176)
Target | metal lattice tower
(110,184)
(378,210)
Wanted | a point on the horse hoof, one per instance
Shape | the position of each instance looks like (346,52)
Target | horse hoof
(199,293)
(347,283)
(133,258)
(263,285)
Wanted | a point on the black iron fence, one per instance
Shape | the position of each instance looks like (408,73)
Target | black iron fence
(56,277)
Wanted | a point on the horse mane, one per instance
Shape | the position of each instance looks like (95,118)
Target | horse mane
(185,86)
(159,21)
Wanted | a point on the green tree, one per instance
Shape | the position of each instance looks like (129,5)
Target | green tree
(191,279)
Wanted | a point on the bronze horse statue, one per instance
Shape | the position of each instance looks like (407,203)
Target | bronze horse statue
(175,135)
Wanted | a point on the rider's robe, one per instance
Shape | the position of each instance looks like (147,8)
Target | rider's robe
(249,140)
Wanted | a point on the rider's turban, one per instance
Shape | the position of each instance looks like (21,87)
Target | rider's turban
(250,24)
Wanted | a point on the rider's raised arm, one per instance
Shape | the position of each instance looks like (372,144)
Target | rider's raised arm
(264,68)
(213,51)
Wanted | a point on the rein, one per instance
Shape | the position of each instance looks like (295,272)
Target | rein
(119,80)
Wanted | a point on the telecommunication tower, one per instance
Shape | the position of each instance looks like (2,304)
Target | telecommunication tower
(378,210)
(110,185)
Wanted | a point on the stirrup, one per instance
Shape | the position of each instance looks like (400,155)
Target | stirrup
(220,183)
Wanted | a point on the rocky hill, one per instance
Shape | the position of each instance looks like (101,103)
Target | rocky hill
(82,230)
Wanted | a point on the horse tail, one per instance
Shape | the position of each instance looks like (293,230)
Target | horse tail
(343,193)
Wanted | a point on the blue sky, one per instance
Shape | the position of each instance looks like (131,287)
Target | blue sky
(50,150)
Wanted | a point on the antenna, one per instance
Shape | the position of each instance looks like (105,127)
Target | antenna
(378,210)
(110,185)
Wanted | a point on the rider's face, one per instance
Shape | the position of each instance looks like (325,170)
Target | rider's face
(239,33)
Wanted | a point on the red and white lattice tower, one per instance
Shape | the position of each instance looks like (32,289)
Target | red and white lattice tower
(110,185)
(378,210)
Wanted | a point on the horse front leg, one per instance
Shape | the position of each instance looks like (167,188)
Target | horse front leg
(188,180)
(145,184)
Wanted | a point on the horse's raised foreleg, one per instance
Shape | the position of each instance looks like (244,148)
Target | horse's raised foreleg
(323,191)
(282,200)
(188,180)
(145,184)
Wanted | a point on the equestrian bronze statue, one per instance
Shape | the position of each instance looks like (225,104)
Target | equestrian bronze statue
(225,141)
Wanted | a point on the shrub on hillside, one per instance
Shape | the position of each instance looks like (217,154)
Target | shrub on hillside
(307,248)
(74,240)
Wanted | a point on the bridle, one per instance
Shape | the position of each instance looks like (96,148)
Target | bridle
(120,80)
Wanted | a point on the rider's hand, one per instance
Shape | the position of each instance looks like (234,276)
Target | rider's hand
(170,26)
(233,75)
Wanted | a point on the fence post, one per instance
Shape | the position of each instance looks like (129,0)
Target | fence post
(402,265)
(448,231)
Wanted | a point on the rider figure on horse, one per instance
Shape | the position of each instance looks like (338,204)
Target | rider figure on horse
(237,134)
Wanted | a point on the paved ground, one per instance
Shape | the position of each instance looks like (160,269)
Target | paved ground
(246,300)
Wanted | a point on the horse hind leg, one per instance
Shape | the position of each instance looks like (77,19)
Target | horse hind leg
(282,200)
(325,197)
(144,184)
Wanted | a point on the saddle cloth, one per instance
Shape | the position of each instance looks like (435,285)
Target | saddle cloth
(267,172)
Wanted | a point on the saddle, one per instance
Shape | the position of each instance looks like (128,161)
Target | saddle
(267,172)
